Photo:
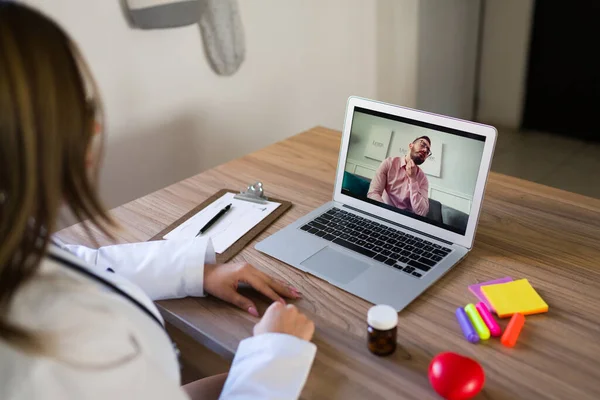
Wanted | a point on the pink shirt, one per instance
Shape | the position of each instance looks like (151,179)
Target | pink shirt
(392,186)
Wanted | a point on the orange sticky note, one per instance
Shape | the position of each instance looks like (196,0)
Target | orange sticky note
(514,297)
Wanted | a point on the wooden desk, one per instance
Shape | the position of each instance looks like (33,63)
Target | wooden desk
(526,230)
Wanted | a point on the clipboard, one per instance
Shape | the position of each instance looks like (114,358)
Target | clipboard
(241,242)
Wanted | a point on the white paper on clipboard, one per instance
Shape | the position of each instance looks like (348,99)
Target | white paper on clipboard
(241,218)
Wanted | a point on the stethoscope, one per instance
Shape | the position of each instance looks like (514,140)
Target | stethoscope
(77,268)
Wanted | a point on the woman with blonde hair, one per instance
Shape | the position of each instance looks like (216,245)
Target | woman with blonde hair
(79,323)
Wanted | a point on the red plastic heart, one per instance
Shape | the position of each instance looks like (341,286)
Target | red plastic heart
(455,377)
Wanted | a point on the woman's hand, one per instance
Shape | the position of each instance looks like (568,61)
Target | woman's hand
(285,319)
(222,281)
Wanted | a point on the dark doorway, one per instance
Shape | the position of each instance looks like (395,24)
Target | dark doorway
(563,79)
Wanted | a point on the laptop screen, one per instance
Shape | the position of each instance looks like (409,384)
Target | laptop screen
(424,171)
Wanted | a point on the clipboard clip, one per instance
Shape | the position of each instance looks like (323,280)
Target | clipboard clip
(255,193)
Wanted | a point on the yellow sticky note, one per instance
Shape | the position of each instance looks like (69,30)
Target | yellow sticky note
(514,297)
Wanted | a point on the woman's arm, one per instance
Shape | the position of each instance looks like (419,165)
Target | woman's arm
(163,269)
(269,366)
(170,269)
(275,363)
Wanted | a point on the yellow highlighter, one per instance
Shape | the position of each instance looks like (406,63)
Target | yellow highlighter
(480,326)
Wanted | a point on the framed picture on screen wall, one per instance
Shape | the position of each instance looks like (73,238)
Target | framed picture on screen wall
(378,143)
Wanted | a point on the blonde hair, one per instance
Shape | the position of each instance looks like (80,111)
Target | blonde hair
(48,110)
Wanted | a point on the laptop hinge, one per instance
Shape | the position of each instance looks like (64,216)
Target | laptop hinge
(399,225)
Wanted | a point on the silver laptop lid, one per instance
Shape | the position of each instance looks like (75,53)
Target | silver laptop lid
(438,189)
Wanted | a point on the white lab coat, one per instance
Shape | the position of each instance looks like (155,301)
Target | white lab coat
(105,347)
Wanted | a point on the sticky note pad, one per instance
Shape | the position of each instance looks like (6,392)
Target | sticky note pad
(514,297)
(476,290)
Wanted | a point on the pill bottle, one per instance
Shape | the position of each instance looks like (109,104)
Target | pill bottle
(382,329)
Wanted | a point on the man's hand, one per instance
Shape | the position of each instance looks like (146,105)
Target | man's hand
(287,320)
(222,281)
(411,168)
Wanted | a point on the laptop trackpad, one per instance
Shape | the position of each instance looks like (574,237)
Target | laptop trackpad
(333,265)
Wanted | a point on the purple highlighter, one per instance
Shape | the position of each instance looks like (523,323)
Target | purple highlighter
(465,325)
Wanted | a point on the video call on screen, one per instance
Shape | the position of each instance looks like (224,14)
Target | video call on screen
(421,170)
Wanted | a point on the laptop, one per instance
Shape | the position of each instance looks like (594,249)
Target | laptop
(408,193)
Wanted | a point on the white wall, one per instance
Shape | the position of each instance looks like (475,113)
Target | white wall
(447,56)
(461,158)
(397,51)
(426,53)
(504,61)
(169,116)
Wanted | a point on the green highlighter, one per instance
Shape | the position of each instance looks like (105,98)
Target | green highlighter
(480,326)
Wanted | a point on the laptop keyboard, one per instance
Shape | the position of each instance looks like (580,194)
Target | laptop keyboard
(405,252)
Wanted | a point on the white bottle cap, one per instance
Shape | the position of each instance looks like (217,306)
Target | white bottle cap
(382,317)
